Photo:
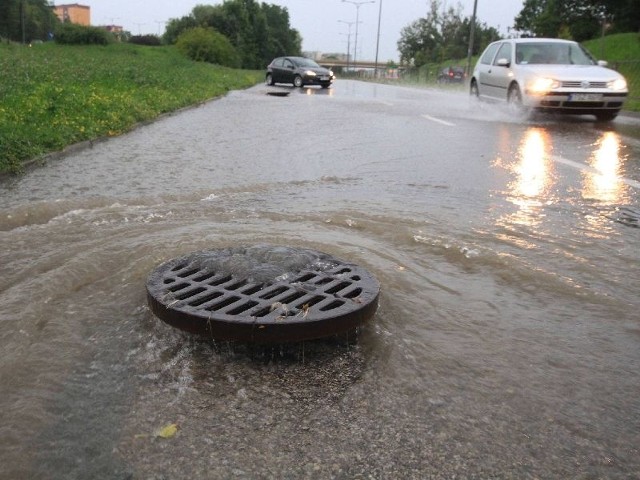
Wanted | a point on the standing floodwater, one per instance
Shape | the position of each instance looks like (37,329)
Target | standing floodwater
(507,339)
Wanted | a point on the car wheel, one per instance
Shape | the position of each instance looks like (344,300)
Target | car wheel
(473,89)
(297,81)
(606,116)
(514,99)
(269,79)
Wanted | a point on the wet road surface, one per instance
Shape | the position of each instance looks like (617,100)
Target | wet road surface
(507,339)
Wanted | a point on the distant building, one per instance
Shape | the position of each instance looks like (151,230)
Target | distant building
(73,13)
(113,28)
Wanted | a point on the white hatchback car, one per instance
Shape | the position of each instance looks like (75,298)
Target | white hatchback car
(548,74)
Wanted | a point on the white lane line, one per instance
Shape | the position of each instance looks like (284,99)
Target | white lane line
(587,168)
(437,120)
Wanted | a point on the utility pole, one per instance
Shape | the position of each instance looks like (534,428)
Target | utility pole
(160,22)
(378,38)
(22,23)
(472,33)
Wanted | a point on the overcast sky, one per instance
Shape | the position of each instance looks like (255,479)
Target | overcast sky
(320,22)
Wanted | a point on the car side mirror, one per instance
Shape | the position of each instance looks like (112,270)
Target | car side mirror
(603,63)
(503,62)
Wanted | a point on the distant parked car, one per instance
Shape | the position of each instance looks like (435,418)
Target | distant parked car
(550,75)
(299,71)
(451,75)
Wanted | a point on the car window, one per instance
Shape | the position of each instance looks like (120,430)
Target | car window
(288,63)
(306,62)
(558,53)
(504,52)
(488,54)
(278,62)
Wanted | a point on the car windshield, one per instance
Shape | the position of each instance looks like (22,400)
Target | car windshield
(552,53)
(306,62)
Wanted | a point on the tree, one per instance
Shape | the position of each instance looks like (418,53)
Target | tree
(26,20)
(442,34)
(582,19)
(258,32)
(176,26)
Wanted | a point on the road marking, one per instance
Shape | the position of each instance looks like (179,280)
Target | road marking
(437,120)
(587,168)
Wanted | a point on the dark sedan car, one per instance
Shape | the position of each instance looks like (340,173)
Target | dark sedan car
(299,71)
(451,75)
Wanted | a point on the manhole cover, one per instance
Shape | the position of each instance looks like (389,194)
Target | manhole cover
(262,293)
(278,93)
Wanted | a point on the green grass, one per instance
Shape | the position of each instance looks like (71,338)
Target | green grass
(616,48)
(52,96)
(622,51)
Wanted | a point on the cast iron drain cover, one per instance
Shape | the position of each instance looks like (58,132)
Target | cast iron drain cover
(262,293)
(278,94)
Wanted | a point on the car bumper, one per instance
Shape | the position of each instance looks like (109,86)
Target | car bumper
(577,101)
(318,80)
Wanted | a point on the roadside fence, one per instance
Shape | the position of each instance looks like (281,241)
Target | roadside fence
(631,70)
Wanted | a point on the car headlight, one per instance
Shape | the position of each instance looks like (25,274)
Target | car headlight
(618,84)
(542,85)
(310,73)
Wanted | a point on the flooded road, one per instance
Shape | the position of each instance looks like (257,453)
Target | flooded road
(507,339)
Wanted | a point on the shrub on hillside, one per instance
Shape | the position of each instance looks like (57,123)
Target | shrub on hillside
(72,34)
(152,40)
(207,45)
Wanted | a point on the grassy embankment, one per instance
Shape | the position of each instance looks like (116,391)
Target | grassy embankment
(622,51)
(52,96)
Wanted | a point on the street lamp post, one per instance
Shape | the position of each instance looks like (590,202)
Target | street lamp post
(348,40)
(358,5)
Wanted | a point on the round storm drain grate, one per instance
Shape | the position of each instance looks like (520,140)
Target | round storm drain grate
(262,293)
(278,94)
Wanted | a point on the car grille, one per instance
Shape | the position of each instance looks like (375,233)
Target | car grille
(580,84)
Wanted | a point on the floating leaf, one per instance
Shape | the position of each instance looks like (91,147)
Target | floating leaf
(167,431)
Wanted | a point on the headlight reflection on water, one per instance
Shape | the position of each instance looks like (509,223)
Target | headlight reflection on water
(602,184)
(603,181)
(533,168)
(530,189)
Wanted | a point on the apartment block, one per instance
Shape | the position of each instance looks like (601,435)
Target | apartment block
(73,13)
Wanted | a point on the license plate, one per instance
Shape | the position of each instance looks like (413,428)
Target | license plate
(324,78)
(585,97)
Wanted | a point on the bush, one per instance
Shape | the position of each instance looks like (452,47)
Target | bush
(207,45)
(151,40)
(72,34)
